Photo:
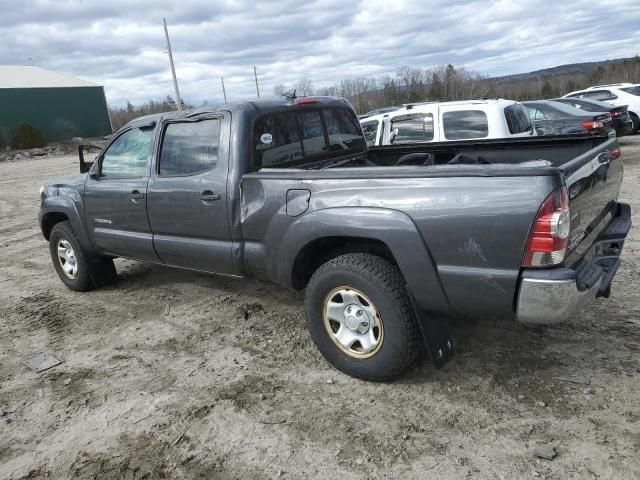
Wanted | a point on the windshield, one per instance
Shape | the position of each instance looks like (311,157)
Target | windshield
(299,136)
(632,90)
(567,109)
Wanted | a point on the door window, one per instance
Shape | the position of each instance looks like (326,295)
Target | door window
(128,156)
(465,124)
(189,148)
(417,127)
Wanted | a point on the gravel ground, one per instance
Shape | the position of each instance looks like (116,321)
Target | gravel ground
(180,375)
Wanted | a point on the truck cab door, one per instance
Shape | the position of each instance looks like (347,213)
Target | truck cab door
(187,195)
(115,196)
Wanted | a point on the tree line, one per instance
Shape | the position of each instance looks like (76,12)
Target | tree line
(441,83)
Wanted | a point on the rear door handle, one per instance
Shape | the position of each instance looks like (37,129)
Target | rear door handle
(135,195)
(209,196)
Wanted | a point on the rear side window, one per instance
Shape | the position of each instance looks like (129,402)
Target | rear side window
(517,119)
(465,125)
(296,136)
(417,127)
(602,95)
(370,131)
(189,148)
(632,90)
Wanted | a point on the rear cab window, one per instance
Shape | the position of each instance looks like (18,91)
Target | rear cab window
(296,137)
(465,124)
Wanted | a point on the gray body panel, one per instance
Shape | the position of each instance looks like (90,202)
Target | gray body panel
(457,232)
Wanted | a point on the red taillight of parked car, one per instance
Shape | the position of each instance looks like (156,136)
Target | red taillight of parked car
(592,124)
(549,236)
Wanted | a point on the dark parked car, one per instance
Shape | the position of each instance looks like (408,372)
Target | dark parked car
(554,118)
(620,118)
(388,242)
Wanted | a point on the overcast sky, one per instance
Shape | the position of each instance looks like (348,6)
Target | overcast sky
(120,44)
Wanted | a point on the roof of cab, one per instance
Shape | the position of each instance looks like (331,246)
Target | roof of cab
(249,106)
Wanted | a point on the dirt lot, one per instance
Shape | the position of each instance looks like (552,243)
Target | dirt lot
(181,375)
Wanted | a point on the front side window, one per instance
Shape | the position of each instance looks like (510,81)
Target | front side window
(465,125)
(189,148)
(370,131)
(297,136)
(417,127)
(517,119)
(128,156)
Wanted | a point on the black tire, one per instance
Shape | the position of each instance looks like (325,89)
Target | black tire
(635,123)
(382,283)
(81,281)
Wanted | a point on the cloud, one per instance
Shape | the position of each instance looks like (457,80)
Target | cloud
(120,44)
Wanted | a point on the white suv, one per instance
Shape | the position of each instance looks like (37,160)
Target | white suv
(449,121)
(616,94)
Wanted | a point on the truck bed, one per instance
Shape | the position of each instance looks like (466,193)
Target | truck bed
(473,219)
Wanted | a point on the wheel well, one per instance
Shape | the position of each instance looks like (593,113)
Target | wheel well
(49,220)
(324,249)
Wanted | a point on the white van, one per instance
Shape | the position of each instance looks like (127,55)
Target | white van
(449,121)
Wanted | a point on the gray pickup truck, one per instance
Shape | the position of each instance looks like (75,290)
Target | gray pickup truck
(389,242)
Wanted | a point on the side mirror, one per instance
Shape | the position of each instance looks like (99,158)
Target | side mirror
(84,165)
(393,135)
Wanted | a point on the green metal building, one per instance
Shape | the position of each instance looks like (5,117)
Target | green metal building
(60,106)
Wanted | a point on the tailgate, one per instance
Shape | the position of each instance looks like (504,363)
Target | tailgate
(593,182)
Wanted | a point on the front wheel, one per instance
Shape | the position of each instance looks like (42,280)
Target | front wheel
(68,258)
(360,316)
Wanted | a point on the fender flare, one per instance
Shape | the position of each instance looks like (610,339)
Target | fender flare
(392,227)
(67,206)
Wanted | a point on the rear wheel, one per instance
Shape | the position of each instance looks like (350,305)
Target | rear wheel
(360,316)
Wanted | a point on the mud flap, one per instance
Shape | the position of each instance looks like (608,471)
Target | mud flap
(436,334)
(102,272)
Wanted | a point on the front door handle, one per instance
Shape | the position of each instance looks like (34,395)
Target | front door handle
(135,195)
(209,196)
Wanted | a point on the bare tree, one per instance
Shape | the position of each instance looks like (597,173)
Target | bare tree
(304,87)
(280,88)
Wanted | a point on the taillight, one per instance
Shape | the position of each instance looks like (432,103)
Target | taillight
(591,124)
(304,100)
(549,236)
(614,153)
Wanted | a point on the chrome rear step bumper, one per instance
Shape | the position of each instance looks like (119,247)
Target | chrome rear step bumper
(557,294)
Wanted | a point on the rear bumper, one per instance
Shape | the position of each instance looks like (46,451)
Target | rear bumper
(557,294)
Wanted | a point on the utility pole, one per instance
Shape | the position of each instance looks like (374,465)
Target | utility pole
(173,70)
(224,92)
(255,75)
